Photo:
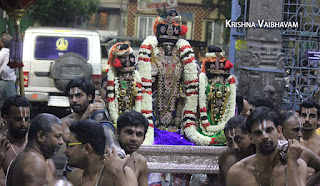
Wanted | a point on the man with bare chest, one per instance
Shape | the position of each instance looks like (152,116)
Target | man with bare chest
(31,165)
(309,115)
(239,146)
(16,114)
(81,94)
(85,149)
(132,128)
(267,167)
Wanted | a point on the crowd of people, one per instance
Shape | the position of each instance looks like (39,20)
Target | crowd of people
(273,148)
(268,148)
(27,147)
(103,133)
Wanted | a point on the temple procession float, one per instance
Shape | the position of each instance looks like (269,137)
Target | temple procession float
(186,106)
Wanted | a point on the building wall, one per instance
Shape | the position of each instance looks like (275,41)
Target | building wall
(196,8)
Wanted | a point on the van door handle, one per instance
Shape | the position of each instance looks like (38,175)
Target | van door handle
(42,74)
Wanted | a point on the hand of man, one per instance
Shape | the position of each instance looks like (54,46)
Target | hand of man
(294,150)
(98,104)
(112,162)
(4,146)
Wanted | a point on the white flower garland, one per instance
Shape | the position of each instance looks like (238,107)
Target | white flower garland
(113,105)
(213,54)
(192,132)
(145,72)
(229,112)
(190,75)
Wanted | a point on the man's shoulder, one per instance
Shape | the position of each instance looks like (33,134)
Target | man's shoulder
(4,51)
(32,158)
(75,175)
(138,157)
(226,152)
(30,163)
(226,156)
(245,162)
(68,119)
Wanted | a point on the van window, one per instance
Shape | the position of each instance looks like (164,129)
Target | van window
(54,47)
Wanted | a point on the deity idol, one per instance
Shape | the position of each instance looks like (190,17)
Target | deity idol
(169,74)
(124,83)
(217,98)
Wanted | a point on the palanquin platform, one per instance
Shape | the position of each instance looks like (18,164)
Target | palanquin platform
(182,159)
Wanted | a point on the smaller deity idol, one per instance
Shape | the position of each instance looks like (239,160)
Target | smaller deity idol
(124,82)
(217,98)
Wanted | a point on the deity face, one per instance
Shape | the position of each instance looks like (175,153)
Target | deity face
(292,128)
(309,118)
(170,30)
(238,142)
(167,47)
(214,65)
(264,136)
(127,60)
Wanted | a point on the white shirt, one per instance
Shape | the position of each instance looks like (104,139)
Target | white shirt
(6,73)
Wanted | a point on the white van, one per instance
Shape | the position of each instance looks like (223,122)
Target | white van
(52,56)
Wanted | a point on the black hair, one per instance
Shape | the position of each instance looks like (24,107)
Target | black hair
(258,102)
(310,103)
(214,48)
(259,114)
(285,116)
(90,131)
(84,84)
(16,101)
(237,121)
(132,118)
(105,78)
(239,101)
(42,122)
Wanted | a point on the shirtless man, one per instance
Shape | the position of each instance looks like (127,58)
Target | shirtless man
(291,128)
(239,146)
(81,94)
(16,115)
(44,141)
(266,167)
(132,128)
(85,149)
(309,115)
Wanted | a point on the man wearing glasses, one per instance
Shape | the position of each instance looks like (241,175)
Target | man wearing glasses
(86,151)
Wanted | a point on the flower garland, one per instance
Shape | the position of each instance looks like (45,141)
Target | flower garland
(210,130)
(213,54)
(146,52)
(113,96)
(144,67)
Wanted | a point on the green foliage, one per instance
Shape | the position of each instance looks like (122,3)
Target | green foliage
(221,139)
(63,12)
(223,6)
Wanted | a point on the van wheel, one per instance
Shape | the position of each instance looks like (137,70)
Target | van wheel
(67,67)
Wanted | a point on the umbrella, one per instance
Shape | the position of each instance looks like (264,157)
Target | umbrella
(16,9)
